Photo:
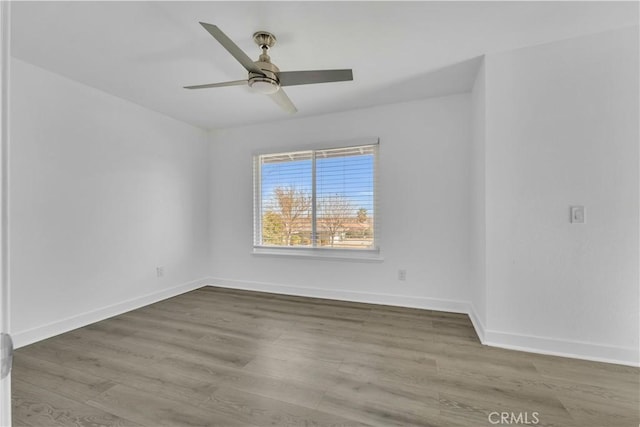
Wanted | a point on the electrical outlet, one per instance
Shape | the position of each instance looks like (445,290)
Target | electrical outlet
(160,272)
(402,275)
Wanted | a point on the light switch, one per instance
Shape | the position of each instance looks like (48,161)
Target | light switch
(577,215)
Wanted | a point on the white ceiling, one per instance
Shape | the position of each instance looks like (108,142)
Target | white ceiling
(146,51)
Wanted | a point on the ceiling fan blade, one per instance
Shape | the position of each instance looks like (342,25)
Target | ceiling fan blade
(232,48)
(293,78)
(283,101)
(232,83)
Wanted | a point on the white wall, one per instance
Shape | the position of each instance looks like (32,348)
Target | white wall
(424,191)
(561,130)
(477,246)
(101,192)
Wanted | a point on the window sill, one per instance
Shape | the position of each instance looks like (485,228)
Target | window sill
(372,255)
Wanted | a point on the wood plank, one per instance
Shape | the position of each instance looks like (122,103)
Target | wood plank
(315,372)
(58,379)
(142,376)
(377,413)
(37,407)
(152,410)
(255,409)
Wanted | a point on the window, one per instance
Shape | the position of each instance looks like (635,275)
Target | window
(322,199)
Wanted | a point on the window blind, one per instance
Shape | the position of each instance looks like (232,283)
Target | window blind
(316,198)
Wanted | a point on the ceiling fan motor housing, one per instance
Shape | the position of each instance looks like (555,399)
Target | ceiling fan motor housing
(267,83)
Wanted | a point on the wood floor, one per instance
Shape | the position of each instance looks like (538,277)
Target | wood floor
(223,357)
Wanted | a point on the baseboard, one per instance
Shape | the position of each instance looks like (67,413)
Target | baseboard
(563,348)
(342,295)
(520,342)
(23,338)
(477,323)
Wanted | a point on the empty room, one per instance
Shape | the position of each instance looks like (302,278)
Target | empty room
(320,213)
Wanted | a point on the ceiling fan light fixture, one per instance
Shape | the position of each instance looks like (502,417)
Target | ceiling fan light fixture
(264,85)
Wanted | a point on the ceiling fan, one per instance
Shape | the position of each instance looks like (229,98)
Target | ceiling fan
(264,77)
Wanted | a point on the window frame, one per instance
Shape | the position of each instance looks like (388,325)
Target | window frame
(316,252)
